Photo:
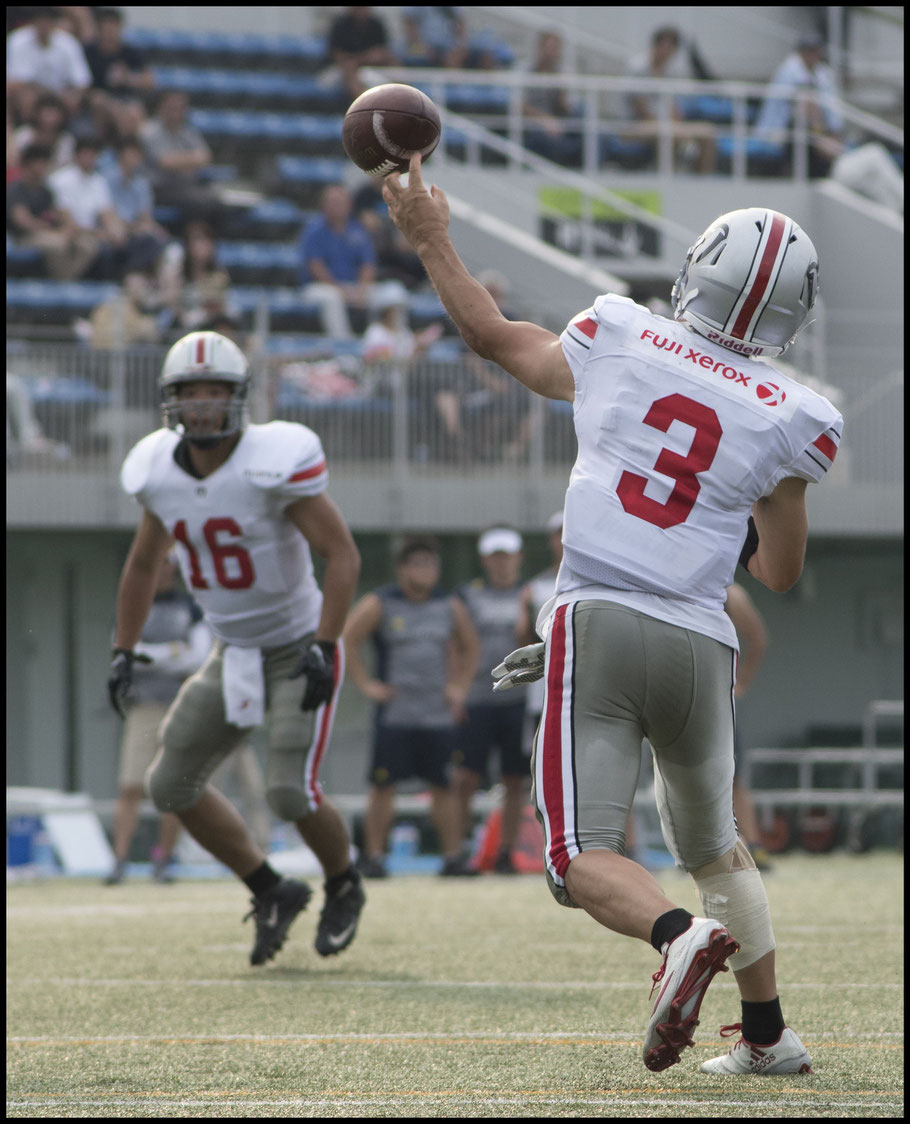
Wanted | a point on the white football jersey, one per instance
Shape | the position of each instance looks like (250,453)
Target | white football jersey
(244,562)
(677,439)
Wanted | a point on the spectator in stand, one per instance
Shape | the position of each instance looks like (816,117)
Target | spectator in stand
(395,259)
(549,108)
(695,141)
(48,128)
(179,157)
(131,193)
(120,74)
(34,219)
(42,58)
(358,38)
(194,287)
(438,36)
(865,168)
(127,318)
(338,264)
(389,336)
(82,192)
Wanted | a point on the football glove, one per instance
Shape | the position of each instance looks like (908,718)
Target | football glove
(317,663)
(524,665)
(121,676)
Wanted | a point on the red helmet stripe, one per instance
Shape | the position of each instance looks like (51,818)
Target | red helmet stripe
(200,350)
(762,283)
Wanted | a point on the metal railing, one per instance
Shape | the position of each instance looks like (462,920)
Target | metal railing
(600,113)
(72,409)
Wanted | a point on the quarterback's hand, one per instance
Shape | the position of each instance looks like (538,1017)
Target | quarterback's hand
(317,663)
(524,665)
(421,215)
(121,676)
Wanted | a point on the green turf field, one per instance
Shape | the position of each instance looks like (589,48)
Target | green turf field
(474,998)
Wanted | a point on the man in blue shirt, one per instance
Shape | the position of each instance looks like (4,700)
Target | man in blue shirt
(338,263)
(131,192)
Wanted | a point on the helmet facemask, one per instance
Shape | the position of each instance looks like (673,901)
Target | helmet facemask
(196,419)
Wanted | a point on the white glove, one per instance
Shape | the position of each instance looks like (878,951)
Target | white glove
(524,665)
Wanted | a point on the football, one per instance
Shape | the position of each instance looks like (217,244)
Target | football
(386,125)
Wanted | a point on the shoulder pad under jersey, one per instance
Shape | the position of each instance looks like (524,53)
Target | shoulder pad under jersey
(142,458)
(273,452)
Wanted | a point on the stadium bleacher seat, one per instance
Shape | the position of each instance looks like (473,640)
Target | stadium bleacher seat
(257,89)
(173,45)
(762,156)
(23,261)
(55,301)
(304,175)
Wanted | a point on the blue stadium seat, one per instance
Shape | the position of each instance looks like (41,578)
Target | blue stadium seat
(477,99)
(755,147)
(23,261)
(174,41)
(310,170)
(73,295)
(301,89)
(311,347)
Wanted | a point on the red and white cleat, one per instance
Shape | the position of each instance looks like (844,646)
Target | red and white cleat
(785,1056)
(691,961)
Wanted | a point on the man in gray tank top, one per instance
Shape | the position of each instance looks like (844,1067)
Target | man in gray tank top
(426,653)
(495,720)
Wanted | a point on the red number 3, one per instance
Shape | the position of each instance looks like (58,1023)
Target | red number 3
(244,575)
(683,469)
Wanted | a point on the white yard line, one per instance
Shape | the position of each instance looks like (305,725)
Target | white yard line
(548,985)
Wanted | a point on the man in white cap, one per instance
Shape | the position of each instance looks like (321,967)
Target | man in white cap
(495,720)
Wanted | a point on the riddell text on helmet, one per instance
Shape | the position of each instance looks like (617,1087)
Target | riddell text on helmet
(735,345)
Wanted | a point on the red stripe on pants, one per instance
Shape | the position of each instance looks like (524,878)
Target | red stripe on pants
(553,799)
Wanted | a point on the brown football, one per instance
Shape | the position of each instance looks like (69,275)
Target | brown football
(386,125)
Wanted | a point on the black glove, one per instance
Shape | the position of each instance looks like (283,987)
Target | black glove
(317,663)
(121,676)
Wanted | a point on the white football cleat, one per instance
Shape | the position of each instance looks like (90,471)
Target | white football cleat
(691,961)
(786,1055)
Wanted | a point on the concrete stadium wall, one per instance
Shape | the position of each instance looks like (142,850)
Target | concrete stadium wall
(836,643)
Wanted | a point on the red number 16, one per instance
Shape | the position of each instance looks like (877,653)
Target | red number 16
(683,469)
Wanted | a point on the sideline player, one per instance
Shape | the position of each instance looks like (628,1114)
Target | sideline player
(680,437)
(494,721)
(753,637)
(245,503)
(426,655)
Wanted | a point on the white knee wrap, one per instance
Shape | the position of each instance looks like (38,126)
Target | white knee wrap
(736,897)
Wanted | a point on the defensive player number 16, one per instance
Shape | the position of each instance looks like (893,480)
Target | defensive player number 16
(683,469)
(220,552)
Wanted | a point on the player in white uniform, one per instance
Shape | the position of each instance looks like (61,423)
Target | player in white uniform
(244,504)
(683,431)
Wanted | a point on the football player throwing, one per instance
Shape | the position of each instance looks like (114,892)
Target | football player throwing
(693,453)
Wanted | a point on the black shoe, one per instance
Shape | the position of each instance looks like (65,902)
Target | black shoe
(117,875)
(458,868)
(504,864)
(371,867)
(274,912)
(339,917)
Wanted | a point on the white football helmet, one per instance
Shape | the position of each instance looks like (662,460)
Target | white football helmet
(211,357)
(749,282)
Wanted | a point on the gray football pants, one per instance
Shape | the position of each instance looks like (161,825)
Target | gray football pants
(195,737)
(613,677)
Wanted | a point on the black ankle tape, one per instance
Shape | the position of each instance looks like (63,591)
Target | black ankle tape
(669,925)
